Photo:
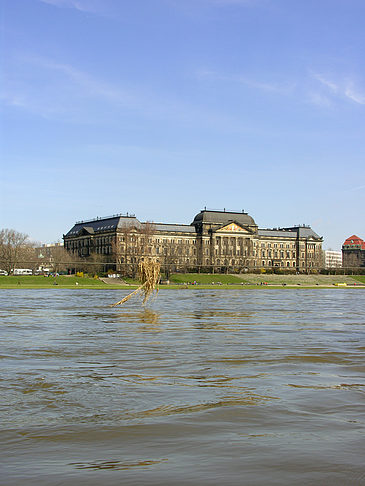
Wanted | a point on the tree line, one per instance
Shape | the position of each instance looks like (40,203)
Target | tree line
(17,251)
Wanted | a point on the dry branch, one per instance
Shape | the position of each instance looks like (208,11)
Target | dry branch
(149,275)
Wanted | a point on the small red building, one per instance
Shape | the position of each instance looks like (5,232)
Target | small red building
(353,252)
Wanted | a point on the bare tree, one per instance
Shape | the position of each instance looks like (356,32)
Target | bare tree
(131,245)
(28,256)
(93,264)
(170,258)
(14,249)
(60,259)
(121,249)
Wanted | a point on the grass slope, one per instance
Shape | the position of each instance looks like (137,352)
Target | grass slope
(177,280)
(204,278)
(30,281)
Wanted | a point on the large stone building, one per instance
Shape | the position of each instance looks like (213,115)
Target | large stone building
(353,252)
(214,241)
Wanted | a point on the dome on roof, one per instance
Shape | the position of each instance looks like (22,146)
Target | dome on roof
(223,217)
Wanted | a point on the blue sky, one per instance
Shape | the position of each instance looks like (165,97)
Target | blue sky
(163,107)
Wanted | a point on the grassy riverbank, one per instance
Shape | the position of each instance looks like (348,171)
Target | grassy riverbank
(190,280)
(39,281)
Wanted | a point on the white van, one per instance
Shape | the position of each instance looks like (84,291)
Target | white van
(22,271)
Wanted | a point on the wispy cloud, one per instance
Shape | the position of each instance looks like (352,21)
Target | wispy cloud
(195,5)
(353,94)
(90,85)
(319,99)
(344,88)
(231,2)
(273,87)
(57,90)
(326,82)
(94,6)
(62,92)
(317,89)
(357,188)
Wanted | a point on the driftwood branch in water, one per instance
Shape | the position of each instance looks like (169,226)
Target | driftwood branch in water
(149,274)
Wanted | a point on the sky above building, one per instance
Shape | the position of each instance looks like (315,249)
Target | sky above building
(164,107)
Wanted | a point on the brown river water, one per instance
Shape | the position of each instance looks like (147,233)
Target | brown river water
(201,387)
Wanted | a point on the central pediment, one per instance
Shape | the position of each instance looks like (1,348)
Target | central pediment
(232,228)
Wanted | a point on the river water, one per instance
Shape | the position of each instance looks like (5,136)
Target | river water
(201,387)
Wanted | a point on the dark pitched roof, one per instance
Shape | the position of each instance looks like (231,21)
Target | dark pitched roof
(177,228)
(277,233)
(292,232)
(100,225)
(223,217)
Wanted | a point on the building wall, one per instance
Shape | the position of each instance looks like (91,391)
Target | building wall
(353,252)
(353,257)
(215,241)
(333,259)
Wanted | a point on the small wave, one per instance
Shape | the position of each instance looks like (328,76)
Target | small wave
(116,465)
(201,407)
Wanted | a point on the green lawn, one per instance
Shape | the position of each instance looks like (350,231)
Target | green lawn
(41,281)
(205,279)
(178,279)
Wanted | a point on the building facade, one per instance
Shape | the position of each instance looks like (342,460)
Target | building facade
(215,241)
(353,252)
(332,259)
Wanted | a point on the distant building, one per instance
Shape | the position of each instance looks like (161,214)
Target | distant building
(48,255)
(214,241)
(353,252)
(332,259)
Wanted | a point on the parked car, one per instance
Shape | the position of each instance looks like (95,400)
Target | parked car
(3,272)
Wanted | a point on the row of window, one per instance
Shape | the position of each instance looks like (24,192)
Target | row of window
(276,254)
(275,245)
(270,263)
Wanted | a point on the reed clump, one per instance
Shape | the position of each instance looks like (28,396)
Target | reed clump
(149,275)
